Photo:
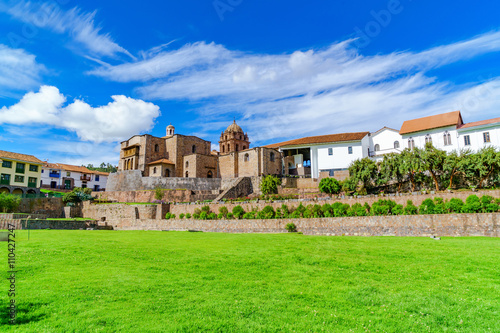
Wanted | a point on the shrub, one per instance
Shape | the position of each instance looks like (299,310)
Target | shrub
(205,209)
(196,216)
(291,227)
(383,207)
(158,193)
(427,207)
(270,184)
(485,201)
(249,216)
(349,185)
(454,205)
(439,206)
(188,216)
(169,216)
(267,213)
(223,210)
(410,208)
(220,216)
(282,212)
(327,211)
(296,214)
(357,210)
(491,208)
(197,211)
(203,215)
(230,215)
(9,203)
(181,216)
(330,186)
(238,212)
(398,210)
(212,216)
(472,204)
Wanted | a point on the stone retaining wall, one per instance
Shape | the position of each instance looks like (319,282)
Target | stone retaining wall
(51,207)
(417,200)
(106,212)
(47,224)
(450,225)
(149,196)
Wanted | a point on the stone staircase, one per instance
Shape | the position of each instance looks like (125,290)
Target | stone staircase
(239,187)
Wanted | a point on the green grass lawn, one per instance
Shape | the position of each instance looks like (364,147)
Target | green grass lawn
(145,281)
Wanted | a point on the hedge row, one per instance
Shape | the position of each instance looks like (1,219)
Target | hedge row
(382,207)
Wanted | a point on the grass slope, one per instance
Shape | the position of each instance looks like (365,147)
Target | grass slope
(139,281)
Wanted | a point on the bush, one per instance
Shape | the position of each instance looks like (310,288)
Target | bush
(238,212)
(267,213)
(205,209)
(427,207)
(158,193)
(169,216)
(291,227)
(383,207)
(212,216)
(249,216)
(357,210)
(223,211)
(197,211)
(270,184)
(196,216)
(410,208)
(230,215)
(282,212)
(454,205)
(188,216)
(398,210)
(9,203)
(330,186)
(472,204)
(181,216)
(349,185)
(220,216)
(203,215)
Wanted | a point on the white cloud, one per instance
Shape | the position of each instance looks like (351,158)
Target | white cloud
(116,121)
(309,92)
(18,71)
(74,22)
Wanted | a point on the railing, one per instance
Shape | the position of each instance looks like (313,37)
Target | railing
(55,175)
(87,178)
(5,181)
(32,185)
(130,152)
(20,170)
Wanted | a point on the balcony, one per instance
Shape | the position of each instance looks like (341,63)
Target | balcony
(130,152)
(54,175)
(85,178)
(5,181)
(20,170)
(33,185)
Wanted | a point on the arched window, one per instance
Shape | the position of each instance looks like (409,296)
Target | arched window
(377,147)
(167,173)
(447,138)
(154,170)
(209,174)
(272,157)
(428,139)
(411,143)
(187,164)
(237,147)
(247,157)
(240,137)
(187,174)
(226,138)
(396,144)
(157,148)
(228,147)
(244,147)
(223,148)
(193,149)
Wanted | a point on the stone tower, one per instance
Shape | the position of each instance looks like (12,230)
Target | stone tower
(233,139)
(170,130)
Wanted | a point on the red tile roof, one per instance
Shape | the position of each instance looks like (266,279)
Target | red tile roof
(19,157)
(440,120)
(480,123)
(331,138)
(75,168)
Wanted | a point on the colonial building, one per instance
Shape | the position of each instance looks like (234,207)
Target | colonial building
(19,173)
(65,176)
(176,155)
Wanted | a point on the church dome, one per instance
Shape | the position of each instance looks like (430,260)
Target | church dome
(234,128)
(170,126)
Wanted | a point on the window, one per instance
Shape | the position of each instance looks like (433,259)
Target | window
(223,149)
(246,158)
(154,170)
(377,147)
(187,174)
(19,179)
(68,174)
(330,151)
(7,164)
(486,137)
(228,148)
(32,182)
(33,168)
(157,148)
(349,150)
(20,167)
(244,147)
(237,147)
(272,157)
(167,173)
(447,138)
(396,144)
(467,140)
(209,174)
(187,164)
(411,143)
(428,139)
(5,179)
(96,178)
(193,149)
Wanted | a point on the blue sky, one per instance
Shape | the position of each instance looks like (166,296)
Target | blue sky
(76,78)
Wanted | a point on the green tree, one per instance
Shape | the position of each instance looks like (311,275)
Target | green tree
(432,160)
(411,164)
(390,170)
(454,164)
(480,166)
(330,186)
(364,171)
(270,184)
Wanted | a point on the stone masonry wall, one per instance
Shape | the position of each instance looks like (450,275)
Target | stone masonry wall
(452,225)
(123,211)
(50,207)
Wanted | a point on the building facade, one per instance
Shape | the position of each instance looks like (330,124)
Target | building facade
(65,176)
(19,173)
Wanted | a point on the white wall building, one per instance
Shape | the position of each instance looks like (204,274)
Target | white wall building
(385,141)
(65,176)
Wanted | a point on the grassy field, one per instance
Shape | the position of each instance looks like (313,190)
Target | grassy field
(140,281)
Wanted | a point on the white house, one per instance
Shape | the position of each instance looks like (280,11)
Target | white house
(329,155)
(385,141)
(65,176)
(479,134)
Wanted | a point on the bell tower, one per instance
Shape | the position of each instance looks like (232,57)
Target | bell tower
(233,139)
